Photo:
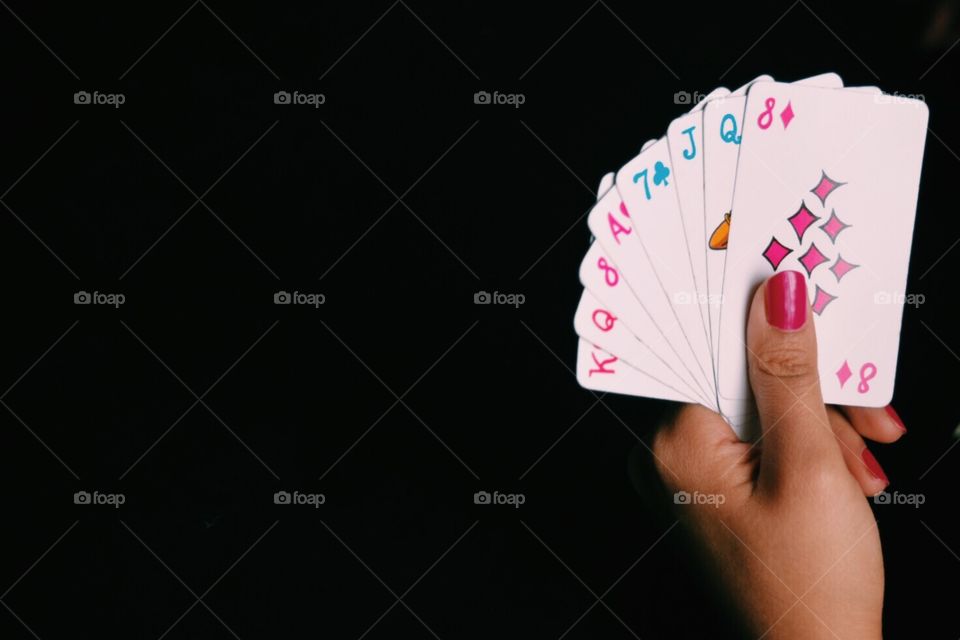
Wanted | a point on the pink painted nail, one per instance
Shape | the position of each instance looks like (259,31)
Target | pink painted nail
(895,417)
(873,466)
(785,300)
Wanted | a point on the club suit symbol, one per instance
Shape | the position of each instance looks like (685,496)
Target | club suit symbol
(720,235)
(660,174)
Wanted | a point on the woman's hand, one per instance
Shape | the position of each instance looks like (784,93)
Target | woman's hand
(784,521)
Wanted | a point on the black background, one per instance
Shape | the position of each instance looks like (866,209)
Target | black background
(399,398)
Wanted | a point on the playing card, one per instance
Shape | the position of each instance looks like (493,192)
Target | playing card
(599,327)
(685,143)
(611,223)
(652,212)
(606,183)
(719,92)
(808,176)
(741,414)
(601,371)
(826,185)
(623,312)
(723,124)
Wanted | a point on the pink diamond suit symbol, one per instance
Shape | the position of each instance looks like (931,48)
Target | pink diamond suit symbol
(776,252)
(801,220)
(821,300)
(786,115)
(833,226)
(841,268)
(825,187)
(812,259)
(844,373)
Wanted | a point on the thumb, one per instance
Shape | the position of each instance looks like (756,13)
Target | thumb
(782,358)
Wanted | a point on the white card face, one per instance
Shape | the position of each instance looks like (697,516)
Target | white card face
(606,183)
(719,92)
(827,185)
(742,91)
(721,119)
(652,215)
(610,223)
(606,284)
(601,371)
(722,126)
(598,272)
(600,327)
(685,142)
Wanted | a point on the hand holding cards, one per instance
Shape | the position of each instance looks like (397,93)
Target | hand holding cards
(807,176)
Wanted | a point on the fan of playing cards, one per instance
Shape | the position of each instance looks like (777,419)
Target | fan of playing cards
(809,176)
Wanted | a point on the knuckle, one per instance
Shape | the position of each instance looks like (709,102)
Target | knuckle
(785,360)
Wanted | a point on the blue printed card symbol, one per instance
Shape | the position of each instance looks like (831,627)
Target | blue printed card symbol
(660,174)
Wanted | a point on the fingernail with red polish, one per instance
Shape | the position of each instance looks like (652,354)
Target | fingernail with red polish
(896,418)
(785,299)
(873,466)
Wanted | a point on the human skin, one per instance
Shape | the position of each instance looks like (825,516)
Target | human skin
(794,544)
